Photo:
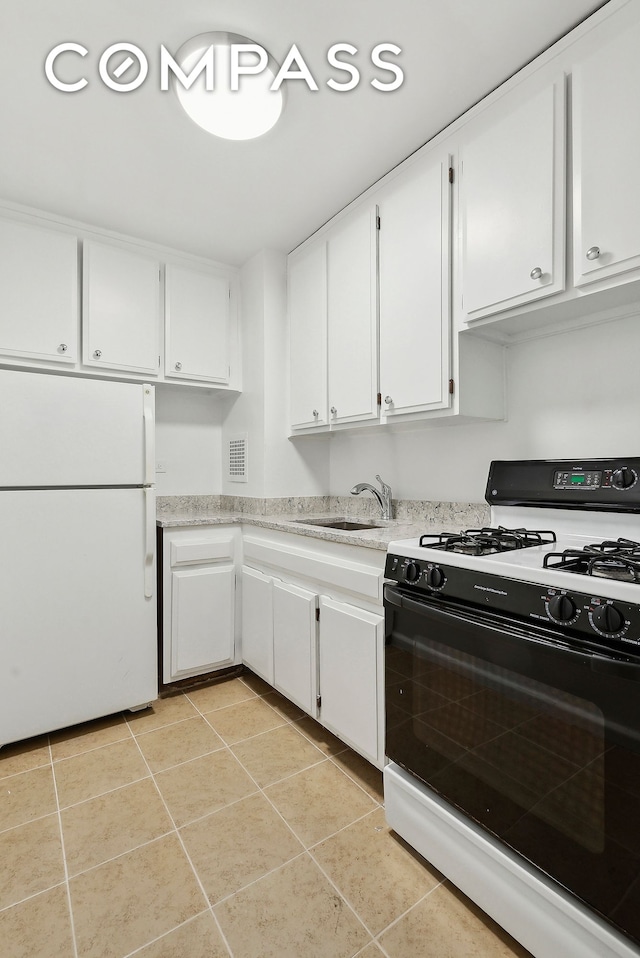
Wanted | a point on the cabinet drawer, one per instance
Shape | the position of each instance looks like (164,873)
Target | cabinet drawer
(203,550)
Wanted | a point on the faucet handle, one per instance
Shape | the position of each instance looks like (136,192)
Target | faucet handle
(384,485)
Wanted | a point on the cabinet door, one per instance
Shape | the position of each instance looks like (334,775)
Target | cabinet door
(197,324)
(308,336)
(257,623)
(512,204)
(294,637)
(414,270)
(38,293)
(202,619)
(352,318)
(351,690)
(121,309)
(606,159)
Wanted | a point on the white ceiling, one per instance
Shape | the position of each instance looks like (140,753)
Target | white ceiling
(136,164)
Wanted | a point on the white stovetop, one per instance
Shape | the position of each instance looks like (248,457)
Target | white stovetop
(527,564)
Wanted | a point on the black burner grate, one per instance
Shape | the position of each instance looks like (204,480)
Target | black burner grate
(611,559)
(487,541)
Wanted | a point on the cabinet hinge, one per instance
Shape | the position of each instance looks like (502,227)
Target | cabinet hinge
(451,387)
(377,222)
(379,399)
(317,615)
(451,174)
(319,701)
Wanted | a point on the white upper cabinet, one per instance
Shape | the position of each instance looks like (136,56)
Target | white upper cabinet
(197,324)
(352,317)
(308,336)
(606,159)
(512,196)
(121,309)
(414,271)
(38,293)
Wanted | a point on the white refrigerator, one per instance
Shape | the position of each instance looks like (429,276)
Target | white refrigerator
(78,633)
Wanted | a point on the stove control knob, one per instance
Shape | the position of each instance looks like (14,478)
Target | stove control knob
(435,577)
(624,478)
(562,608)
(412,572)
(607,619)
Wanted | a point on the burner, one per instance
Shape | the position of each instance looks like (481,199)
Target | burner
(609,559)
(487,541)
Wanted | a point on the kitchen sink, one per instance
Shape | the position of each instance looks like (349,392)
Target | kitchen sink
(345,524)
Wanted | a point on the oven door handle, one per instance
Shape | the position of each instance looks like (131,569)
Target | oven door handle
(596,663)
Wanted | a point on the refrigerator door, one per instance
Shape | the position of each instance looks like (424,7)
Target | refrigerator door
(78,632)
(62,431)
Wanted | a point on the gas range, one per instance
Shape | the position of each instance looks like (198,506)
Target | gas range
(562,547)
(512,691)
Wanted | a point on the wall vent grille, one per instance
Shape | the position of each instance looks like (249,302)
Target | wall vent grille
(237,459)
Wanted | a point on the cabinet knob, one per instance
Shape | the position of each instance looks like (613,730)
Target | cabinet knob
(97,353)
(593,252)
(535,273)
(388,400)
(334,411)
(315,413)
(178,366)
(62,348)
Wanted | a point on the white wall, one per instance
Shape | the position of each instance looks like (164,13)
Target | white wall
(188,441)
(246,413)
(572,394)
(276,466)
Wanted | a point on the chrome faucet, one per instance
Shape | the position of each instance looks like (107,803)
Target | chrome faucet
(383,495)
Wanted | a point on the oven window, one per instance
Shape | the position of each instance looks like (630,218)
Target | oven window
(484,732)
(525,748)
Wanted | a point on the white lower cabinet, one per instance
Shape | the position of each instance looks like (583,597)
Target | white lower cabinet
(257,623)
(313,627)
(199,600)
(351,667)
(294,651)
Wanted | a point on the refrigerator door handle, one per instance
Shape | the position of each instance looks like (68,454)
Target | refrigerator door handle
(148,415)
(150,541)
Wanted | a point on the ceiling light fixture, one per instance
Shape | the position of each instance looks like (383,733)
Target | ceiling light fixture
(208,97)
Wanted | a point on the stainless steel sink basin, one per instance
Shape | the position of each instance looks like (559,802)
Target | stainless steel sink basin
(348,525)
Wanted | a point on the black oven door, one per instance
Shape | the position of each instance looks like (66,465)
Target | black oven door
(531,737)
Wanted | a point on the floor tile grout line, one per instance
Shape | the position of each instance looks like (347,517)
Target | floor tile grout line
(187,855)
(343,897)
(35,894)
(373,934)
(89,751)
(163,728)
(286,778)
(338,831)
(266,797)
(404,914)
(64,855)
(114,858)
(108,791)
(30,821)
(36,768)
(256,881)
(183,924)
(219,708)
(355,781)
(267,731)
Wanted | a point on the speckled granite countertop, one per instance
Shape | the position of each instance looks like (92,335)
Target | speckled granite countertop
(285,515)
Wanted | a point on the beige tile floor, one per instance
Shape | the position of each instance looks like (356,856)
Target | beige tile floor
(220,823)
